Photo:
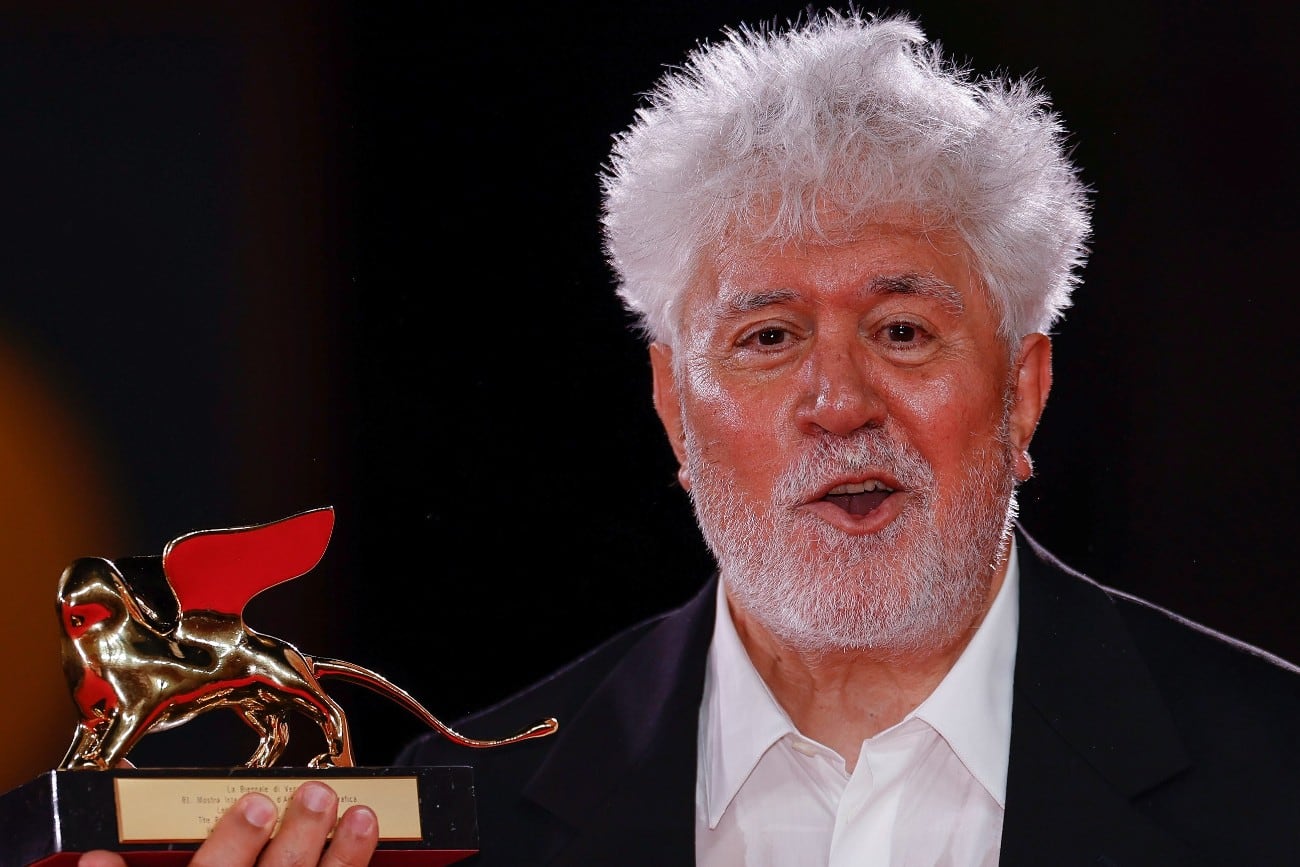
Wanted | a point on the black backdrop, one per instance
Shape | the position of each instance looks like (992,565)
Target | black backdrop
(348,254)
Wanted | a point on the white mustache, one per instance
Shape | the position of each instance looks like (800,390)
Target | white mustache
(832,458)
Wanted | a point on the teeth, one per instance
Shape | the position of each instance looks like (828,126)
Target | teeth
(860,487)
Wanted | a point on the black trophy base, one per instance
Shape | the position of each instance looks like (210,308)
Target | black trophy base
(157,817)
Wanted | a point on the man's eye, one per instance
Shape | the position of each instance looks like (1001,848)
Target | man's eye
(768,337)
(902,332)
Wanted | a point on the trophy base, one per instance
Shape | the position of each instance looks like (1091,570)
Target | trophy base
(157,817)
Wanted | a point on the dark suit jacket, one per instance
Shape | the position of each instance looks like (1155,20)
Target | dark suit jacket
(1137,739)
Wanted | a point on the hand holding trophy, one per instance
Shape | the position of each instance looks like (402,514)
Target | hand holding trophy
(149,643)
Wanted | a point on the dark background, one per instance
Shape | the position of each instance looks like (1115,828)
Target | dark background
(278,256)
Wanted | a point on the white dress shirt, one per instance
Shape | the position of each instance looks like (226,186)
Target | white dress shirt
(928,791)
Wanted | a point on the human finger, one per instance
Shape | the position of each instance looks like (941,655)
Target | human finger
(308,820)
(100,858)
(239,834)
(355,839)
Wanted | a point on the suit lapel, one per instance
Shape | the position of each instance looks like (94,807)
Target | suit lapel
(623,780)
(1089,730)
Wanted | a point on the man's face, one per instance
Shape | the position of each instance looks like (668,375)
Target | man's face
(849,424)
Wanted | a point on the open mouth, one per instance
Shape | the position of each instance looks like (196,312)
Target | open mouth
(859,498)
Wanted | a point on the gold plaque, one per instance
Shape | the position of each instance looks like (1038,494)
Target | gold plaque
(183,809)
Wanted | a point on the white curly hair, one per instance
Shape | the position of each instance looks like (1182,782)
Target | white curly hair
(857,116)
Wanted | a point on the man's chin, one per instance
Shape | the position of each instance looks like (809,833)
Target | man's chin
(879,614)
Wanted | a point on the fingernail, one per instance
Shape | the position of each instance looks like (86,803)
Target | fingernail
(315,797)
(361,821)
(258,811)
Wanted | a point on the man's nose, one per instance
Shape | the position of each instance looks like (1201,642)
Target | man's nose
(842,391)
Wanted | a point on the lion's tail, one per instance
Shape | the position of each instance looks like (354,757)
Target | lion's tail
(344,670)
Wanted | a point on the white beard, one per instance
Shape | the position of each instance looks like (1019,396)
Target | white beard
(914,585)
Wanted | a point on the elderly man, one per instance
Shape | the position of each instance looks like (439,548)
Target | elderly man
(846,255)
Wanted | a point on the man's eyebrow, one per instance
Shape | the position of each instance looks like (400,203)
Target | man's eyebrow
(748,302)
(918,284)
(922,285)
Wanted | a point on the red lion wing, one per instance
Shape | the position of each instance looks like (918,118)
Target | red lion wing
(221,570)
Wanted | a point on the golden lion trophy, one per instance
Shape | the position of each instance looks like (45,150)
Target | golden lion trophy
(149,643)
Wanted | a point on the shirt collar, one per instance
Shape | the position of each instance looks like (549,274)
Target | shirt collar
(970,708)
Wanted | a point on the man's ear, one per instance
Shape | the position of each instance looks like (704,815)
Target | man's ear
(1033,381)
(669,406)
